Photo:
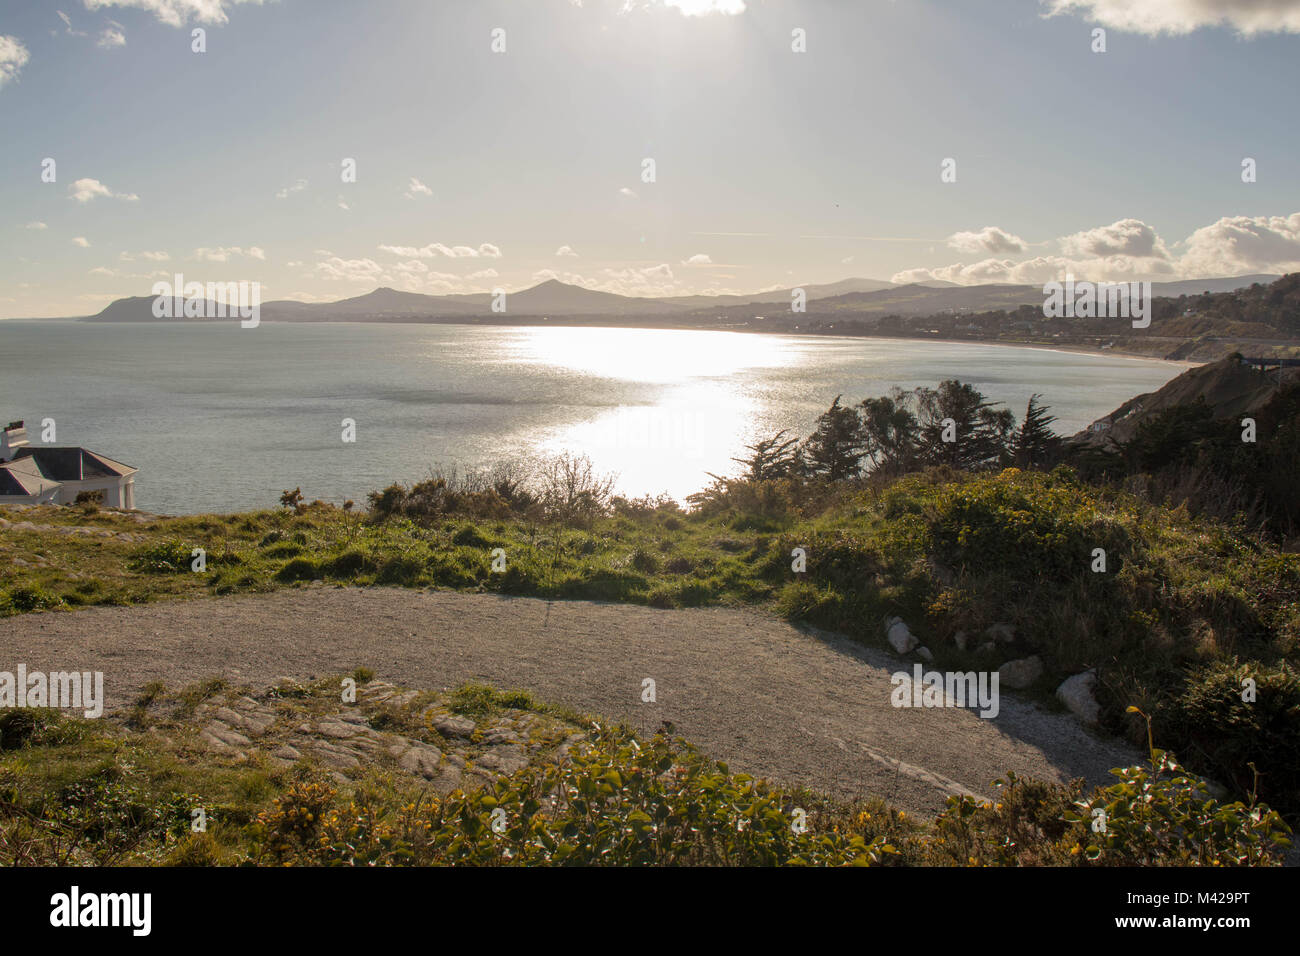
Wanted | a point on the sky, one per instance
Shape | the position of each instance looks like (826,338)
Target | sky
(501,143)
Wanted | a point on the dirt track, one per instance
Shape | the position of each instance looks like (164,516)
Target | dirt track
(766,697)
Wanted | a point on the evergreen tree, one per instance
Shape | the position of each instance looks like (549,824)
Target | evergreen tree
(1035,444)
(890,432)
(771,458)
(835,450)
(983,431)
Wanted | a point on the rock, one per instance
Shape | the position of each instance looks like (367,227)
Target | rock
(423,760)
(226,735)
(924,654)
(452,726)
(986,648)
(285,752)
(1020,673)
(900,638)
(1002,633)
(960,639)
(501,735)
(254,724)
(505,759)
(1076,693)
(945,575)
(336,758)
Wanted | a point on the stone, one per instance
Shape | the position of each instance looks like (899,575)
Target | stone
(1019,674)
(452,726)
(900,638)
(506,759)
(924,654)
(1076,693)
(988,647)
(422,760)
(961,639)
(226,735)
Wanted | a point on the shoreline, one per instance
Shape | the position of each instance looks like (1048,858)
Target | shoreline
(1067,349)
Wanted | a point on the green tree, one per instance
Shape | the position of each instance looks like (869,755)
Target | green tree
(771,458)
(890,432)
(1034,443)
(983,431)
(835,449)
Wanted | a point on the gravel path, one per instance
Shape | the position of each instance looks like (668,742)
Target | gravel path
(768,698)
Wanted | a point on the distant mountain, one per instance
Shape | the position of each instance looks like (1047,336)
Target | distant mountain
(559,299)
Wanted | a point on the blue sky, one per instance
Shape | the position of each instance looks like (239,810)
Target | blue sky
(479,170)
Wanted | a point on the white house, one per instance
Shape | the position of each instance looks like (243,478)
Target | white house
(41,474)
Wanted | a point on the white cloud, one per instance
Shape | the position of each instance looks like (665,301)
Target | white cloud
(151,256)
(990,239)
(113,35)
(627,192)
(566,251)
(35,225)
(1127,237)
(699,259)
(84,190)
(1236,245)
(438,249)
(416,188)
(176,13)
(13,57)
(350,270)
(81,241)
(1177,17)
(226,253)
(298,186)
(342,204)
(483,274)
(1130,249)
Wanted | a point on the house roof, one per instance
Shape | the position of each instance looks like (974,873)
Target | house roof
(70,464)
(23,477)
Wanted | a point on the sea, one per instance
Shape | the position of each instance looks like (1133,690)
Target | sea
(221,418)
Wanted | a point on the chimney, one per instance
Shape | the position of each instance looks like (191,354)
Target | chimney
(12,438)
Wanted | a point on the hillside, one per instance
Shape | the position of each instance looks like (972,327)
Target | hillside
(1229,387)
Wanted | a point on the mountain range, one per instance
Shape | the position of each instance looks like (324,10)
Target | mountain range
(559,299)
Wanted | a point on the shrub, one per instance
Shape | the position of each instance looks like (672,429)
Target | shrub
(30,598)
(347,565)
(299,569)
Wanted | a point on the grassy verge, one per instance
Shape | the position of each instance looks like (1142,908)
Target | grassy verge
(126,791)
(1194,621)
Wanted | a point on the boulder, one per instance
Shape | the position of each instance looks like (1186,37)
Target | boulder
(1020,673)
(1076,693)
(902,640)
(924,654)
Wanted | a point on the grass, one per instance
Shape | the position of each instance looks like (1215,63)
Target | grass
(1186,613)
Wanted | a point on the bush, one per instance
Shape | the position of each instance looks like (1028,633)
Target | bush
(299,569)
(614,803)
(347,565)
(30,598)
